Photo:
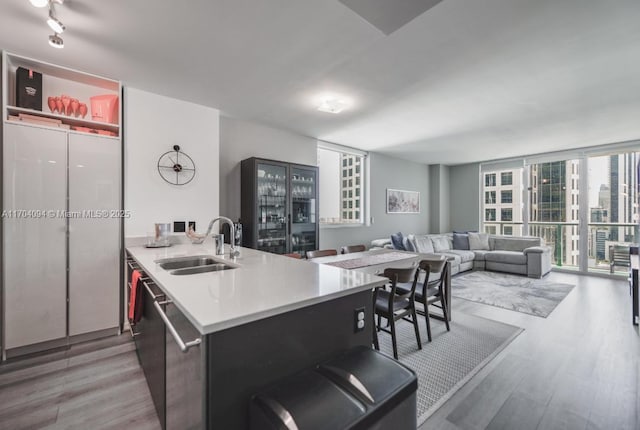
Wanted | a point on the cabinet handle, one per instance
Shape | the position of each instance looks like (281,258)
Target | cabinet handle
(184,347)
(153,296)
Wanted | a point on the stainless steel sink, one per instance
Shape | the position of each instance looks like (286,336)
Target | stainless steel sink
(192,265)
(183,262)
(202,269)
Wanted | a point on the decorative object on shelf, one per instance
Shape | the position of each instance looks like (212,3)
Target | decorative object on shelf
(52,21)
(176,167)
(28,89)
(82,110)
(51,102)
(104,108)
(404,202)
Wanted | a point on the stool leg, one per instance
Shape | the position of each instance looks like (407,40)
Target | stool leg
(426,316)
(392,321)
(414,320)
(445,313)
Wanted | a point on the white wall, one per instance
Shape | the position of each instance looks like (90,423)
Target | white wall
(153,124)
(241,139)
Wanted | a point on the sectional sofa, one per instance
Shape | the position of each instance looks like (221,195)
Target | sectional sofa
(477,251)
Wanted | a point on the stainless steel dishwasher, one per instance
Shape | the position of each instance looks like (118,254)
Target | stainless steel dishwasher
(185,388)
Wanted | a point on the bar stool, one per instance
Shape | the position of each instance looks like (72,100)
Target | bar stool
(321,253)
(352,248)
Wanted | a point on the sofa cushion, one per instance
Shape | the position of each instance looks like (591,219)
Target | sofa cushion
(422,244)
(514,243)
(509,257)
(453,258)
(478,241)
(460,241)
(441,243)
(396,240)
(479,254)
(465,256)
(380,243)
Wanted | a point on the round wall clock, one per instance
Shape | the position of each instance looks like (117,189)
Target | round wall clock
(176,167)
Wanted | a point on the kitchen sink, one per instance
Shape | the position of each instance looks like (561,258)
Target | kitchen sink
(192,265)
(184,262)
(202,269)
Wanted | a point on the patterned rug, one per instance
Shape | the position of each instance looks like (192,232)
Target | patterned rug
(536,297)
(451,359)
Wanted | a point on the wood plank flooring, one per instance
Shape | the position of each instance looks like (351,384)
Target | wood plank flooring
(577,369)
(94,385)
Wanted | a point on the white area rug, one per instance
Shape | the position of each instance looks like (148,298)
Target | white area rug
(517,293)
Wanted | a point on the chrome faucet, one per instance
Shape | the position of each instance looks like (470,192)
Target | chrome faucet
(234,252)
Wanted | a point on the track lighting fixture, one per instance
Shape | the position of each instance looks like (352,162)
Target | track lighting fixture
(56,41)
(56,25)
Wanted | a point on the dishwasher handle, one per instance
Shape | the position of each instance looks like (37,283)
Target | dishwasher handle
(184,347)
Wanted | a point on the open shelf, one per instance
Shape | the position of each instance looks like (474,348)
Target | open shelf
(69,120)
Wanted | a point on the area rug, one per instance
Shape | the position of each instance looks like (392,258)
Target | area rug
(517,293)
(451,359)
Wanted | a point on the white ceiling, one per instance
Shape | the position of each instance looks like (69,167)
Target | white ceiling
(465,81)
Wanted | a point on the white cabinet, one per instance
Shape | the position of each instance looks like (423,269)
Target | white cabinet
(94,237)
(35,279)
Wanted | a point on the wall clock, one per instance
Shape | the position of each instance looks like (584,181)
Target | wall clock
(176,167)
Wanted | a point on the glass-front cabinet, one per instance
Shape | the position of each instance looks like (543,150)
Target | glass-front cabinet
(279,209)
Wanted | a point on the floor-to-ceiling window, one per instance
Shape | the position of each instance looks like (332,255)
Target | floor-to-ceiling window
(585,207)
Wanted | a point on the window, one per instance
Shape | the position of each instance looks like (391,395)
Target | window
(489,214)
(506,214)
(506,196)
(491,229)
(507,230)
(490,197)
(506,178)
(341,195)
(490,180)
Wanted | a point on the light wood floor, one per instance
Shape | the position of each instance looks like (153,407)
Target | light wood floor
(91,386)
(577,369)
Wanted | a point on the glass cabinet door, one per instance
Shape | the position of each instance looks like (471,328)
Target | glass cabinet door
(303,210)
(272,208)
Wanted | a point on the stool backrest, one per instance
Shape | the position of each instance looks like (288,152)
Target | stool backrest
(321,253)
(352,248)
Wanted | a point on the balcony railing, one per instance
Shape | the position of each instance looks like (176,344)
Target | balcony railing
(564,240)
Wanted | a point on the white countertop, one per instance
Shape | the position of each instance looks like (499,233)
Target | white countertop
(261,286)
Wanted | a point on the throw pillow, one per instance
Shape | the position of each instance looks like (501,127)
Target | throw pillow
(479,241)
(460,241)
(423,244)
(396,240)
(441,243)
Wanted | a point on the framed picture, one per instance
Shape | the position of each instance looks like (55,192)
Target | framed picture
(403,202)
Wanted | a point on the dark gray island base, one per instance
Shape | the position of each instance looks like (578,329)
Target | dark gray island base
(210,384)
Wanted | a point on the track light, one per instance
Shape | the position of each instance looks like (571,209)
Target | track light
(54,23)
(39,3)
(56,41)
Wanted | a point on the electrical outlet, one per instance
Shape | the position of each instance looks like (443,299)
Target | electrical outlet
(358,319)
(178,226)
(192,224)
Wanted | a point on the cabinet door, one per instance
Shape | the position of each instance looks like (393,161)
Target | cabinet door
(94,233)
(304,211)
(35,279)
(272,213)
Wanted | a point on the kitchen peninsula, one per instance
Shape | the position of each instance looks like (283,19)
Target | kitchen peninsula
(264,317)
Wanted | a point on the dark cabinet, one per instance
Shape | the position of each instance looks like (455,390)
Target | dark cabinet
(279,208)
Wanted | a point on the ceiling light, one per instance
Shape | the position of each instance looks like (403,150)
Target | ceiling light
(54,23)
(56,41)
(332,106)
(39,3)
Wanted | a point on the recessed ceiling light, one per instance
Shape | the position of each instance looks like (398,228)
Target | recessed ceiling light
(51,161)
(55,24)
(56,41)
(332,105)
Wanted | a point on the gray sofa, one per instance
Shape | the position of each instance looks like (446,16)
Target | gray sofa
(520,255)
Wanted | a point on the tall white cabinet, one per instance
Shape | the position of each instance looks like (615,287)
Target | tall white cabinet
(62,218)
